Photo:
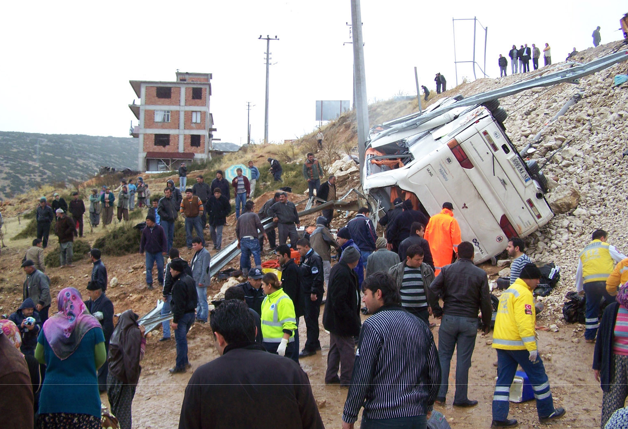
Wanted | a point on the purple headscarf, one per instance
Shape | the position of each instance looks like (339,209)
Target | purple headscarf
(622,295)
(65,330)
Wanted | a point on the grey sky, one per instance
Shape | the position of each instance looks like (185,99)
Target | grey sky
(67,65)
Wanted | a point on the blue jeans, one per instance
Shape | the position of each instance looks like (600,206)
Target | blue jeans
(169,230)
(594,292)
(216,234)
(202,310)
(193,222)
(364,256)
(240,202)
(151,258)
(249,246)
(313,185)
(182,182)
(507,361)
(165,326)
(458,332)
(416,422)
(180,336)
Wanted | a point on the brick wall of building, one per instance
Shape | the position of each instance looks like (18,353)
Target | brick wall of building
(149,120)
(187,145)
(188,125)
(151,97)
(188,97)
(149,144)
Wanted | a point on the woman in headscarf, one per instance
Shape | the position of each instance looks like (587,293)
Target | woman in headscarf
(72,345)
(610,360)
(126,349)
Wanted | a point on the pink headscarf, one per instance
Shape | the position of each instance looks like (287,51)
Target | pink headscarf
(12,332)
(65,330)
(622,295)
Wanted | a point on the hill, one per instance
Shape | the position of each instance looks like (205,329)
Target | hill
(63,159)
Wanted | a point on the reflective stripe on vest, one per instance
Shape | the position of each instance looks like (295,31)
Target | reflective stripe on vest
(597,263)
(276,323)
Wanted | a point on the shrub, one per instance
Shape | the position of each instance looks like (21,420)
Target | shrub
(29,231)
(80,249)
(125,239)
(292,176)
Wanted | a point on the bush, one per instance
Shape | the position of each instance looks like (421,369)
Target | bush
(80,249)
(125,240)
(292,176)
(29,231)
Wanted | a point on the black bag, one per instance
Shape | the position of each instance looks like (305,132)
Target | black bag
(574,308)
(286,189)
(503,283)
(550,275)
(542,290)
(494,305)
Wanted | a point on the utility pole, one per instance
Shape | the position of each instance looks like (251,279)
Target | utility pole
(352,66)
(249,106)
(267,58)
(361,105)
(418,91)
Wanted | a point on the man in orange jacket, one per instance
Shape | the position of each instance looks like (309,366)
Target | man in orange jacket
(443,235)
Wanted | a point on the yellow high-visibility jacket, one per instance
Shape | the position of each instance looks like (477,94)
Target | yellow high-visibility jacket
(277,315)
(514,324)
(619,276)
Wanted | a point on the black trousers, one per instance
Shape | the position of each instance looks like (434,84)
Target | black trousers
(43,314)
(312,311)
(43,231)
(80,225)
(535,63)
(328,214)
(272,239)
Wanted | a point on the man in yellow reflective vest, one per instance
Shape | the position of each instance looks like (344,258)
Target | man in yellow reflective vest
(596,263)
(514,338)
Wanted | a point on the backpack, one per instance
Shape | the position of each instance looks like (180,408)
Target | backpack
(574,308)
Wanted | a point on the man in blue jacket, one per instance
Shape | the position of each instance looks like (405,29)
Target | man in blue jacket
(155,244)
(29,331)
(99,271)
(363,234)
(254,177)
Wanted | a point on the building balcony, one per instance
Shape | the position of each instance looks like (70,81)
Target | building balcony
(134,131)
(135,108)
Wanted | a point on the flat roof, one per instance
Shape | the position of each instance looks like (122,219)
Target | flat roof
(137,84)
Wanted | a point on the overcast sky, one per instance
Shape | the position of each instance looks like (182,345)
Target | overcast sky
(66,65)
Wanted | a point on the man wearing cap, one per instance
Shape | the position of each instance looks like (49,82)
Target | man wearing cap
(312,282)
(183,176)
(155,244)
(36,254)
(514,338)
(29,323)
(65,230)
(285,214)
(322,242)
(107,199)
(44,215)
(417,232)
(77,208)
(192,209)
(218,208)
(184,302)
(345,241)
(382,259)
(200,272)
(102,309)
(253,293)
(222,183)
(36,287)
(342,318)
(443,234)
(59,203)
(248,227)
(242,190)
(99,271)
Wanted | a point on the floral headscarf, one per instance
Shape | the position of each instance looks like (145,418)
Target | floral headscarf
(65,330)
(622,295)
(12,332)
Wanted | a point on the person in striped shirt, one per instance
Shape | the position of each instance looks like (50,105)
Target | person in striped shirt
(515,249)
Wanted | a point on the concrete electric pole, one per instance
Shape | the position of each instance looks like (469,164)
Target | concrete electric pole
(249,106)
(361,102)
(268,39)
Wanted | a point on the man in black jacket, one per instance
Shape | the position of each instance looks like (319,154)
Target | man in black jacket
(399,229)
(342,318)
(327,192)
(271,392)
(313,284)
(77,208)
(265,213)
(183,177)
(184,301)
(59,203)
(417,230)
(514,62)
(503,64)
(253,293)
(525,58)
(44,216)
(203,192)
(464,290)
(285,215)
(168,210)
(167,291)
(395,210)
(218,208)
(220,182)
(99,271)
(291,284)
(102,309)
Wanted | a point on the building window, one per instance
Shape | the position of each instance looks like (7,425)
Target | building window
(162,140)
(196,117)
(196,140)
(162,115)
(197,93)
(164,92)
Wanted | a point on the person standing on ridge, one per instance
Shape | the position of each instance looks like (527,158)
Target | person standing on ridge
(547,55)
(44,216)
(503,64)
(254,177)
(596,37)
(183,177)
(242,190)
(513,59)
(77,208)
(312,172)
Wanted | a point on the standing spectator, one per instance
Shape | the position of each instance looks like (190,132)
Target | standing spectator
(382,259)
(59,203)
(285,215)
(426,92)
(264,213)
(99,271)
(154,210)
(278,318)
(132,191)
(94,208)
(192,209)
(253,292)
(202,190)
(44,216)
(464,290)
(443,234)
(36,254)
(572,54)
(254,177)
(291,284)
(312,172)
(274,391)
(176,193)
(200,273)
(222,183)
(443,82)
(515,340)
(173,254)
(126,351)
(36,287)
(595,264)
(107,199)
(183,179)
(242,190)
(503,64)
(515,250)
(327,192)
(514,61)
(77,209)
(417,232)
(322,241)
(363,233)
(342,318)
(168,210)
(413,278)
(123,204)
(184,302)
(438,83)
(525,58)
(235,292)
(596,37)
(345,241)
(400,228)
(547,55)
(29,329)
(141,192)
(520,58)
(275,169)
(312,281)
(248,227)
(218,208)
(395,210)
(536,54)
(65,229)
(395,385)
(72,346)
(102,309)
(319,139)
(155,244)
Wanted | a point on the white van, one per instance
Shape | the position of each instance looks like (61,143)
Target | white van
(464,157)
